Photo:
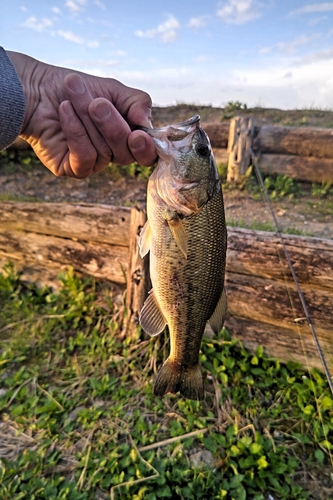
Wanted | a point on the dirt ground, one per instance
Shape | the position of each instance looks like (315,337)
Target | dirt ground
(304,214)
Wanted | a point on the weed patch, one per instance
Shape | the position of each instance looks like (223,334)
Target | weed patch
(79,421)
(278,186)
(115,172)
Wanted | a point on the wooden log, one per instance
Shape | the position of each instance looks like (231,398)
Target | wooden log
(221,155)
(218,133)
(98,223)
(304,168)
(263,300)
(259,253)
(301,141)
(278,303)
(32,272)
(280,343)
(239,147)
(249,252)
(100,260)
(138,281)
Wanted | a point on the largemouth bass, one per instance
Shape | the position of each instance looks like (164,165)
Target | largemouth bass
(187,238)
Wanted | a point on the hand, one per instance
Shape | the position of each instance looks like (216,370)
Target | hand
(78,123)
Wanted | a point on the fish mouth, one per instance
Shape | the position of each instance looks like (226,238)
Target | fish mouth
(181,129)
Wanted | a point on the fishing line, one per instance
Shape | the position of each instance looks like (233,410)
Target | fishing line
(292,270)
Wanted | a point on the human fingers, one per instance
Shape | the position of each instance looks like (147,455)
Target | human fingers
(80,155)
(134,104)
(80,98)
(114,129)
(142,148)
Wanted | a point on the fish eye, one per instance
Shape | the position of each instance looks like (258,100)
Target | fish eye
(202,149)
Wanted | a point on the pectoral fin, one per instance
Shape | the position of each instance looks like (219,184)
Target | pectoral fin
(178,232)
(217,318)
(145,239)
(151,317)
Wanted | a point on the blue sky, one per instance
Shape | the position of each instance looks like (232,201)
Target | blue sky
(272,53)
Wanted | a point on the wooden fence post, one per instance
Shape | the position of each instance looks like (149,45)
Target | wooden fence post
(239,146)
(138,280)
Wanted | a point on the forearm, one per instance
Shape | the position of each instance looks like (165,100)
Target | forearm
(30,72)
(12,101)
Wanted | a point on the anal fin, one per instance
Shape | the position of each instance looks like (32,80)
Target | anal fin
(151,317)
(217,318)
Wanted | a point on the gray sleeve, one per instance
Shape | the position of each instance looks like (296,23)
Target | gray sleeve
(12,102)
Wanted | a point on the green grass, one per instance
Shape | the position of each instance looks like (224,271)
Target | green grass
(11,197)
(233,108)
(79,421)
(132,170)
(322,208)
(265,226)
(322,190)
(13,159)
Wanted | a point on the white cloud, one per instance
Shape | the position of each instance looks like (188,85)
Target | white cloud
(291,46)
(313,7)
(265,50)
(96,67)
(75,6)
(94,44)
(37,25)
(167,31)
(69,35)
(316,20)
(239,11)
(315,57)
(197,22)
(100,4)
(274,87)
(203,58)
(280,84)
(56,10)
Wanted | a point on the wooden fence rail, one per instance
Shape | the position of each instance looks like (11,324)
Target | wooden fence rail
(303,153)
(99,240)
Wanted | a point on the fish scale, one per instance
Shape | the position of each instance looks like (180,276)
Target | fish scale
(186,236)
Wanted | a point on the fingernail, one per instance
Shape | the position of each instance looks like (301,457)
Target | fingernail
(76,84)
(102,110)
(138,142)
(67,108)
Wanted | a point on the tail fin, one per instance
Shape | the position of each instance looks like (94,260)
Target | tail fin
(173,378)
